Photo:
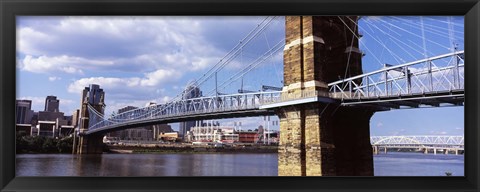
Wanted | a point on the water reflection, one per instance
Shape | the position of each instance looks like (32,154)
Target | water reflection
(391,164)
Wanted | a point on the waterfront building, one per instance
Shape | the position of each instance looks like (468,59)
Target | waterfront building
(65,130)
(212,132)
(159,128)
(137,134)
(248,136)
(46,128)
(26,128)
(49,116)
(34,120)
(63,127)
(51,122)
(55,129)
(171,136)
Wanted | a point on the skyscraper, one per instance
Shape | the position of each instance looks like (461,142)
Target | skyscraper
(191,91)
(24,113)
(51,104)
(51,111)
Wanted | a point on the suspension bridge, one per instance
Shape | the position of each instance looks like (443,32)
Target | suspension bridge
(322,74)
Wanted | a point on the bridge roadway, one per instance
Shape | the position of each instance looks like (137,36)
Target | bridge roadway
(411,85)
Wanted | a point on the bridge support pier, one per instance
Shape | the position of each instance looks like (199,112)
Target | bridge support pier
(90,144)
(325,140)
(322,138)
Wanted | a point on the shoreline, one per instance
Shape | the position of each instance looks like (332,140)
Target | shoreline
(190,149)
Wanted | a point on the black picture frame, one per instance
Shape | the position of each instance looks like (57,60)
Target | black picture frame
(11,8)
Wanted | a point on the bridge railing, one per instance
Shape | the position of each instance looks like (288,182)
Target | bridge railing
(435,74)
(201,105)
(285,96)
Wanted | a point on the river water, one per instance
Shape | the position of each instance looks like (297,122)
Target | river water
(216,164)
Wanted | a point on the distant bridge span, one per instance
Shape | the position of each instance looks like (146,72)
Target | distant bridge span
(426,143)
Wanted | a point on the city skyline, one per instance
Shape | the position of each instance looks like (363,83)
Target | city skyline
(155,58)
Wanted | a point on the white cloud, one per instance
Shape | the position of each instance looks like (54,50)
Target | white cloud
(38,103)
(79,44)
(131,58)
(114,105)
(128,88)
(28,40)
(159,76)
(166,99)
(379,124)
(438,132)
(54,78)
(66,64)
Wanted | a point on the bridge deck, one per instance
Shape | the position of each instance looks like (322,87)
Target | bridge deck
(416,100)
(422,83)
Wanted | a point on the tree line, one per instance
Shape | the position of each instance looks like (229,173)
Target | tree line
(37,144)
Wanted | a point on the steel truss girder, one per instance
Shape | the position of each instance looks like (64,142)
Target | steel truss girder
(418,141)
(179,108)
(417,78)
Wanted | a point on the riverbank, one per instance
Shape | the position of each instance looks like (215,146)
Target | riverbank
(184,148)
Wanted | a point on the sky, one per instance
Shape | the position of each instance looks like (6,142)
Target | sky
(137,60)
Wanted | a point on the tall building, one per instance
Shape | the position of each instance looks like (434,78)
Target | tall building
(137,134)
(76,118)
(51,104)
(51,112)
(125,109)
(159,128)
(122,134)
(51,122)
(24,113)
(191,91)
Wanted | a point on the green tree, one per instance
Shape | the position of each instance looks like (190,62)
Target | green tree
(65,145)
(21,144)
(49,145)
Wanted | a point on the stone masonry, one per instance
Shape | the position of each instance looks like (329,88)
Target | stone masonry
(322,139)
(88,144)
(92,143)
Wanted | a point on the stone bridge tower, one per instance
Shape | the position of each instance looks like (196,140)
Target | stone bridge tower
(93,143)
(322,138)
